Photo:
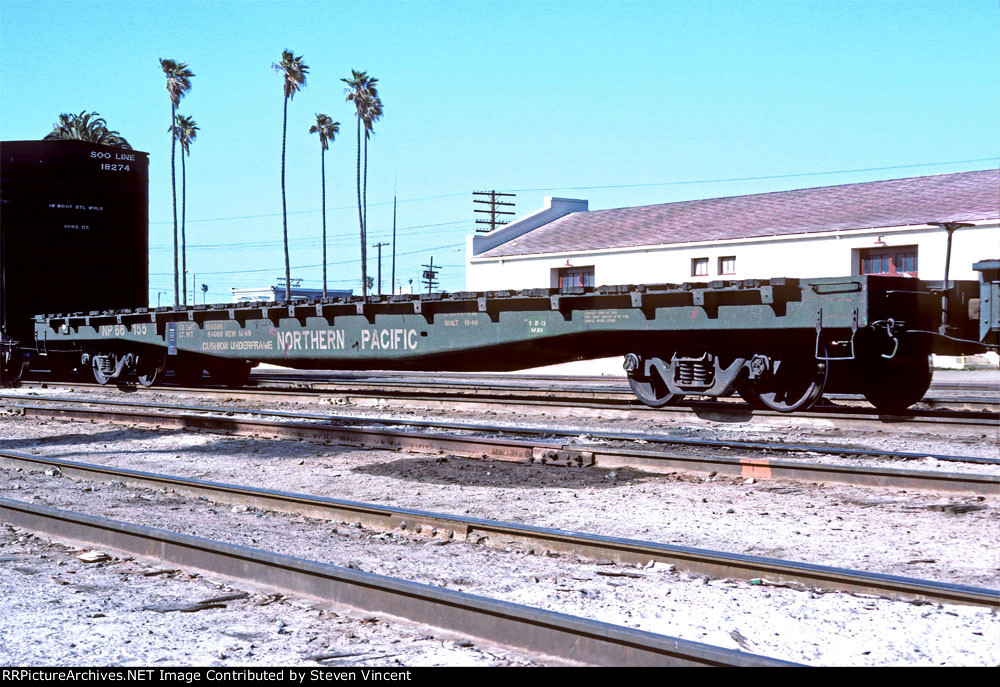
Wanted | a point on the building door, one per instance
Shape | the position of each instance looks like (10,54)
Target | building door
(899,261)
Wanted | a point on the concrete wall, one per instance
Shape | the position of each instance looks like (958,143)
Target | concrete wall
(832,254)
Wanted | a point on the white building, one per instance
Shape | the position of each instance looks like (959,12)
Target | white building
(881,227)
(273,294)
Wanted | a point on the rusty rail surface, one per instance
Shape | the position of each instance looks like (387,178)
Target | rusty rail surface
(597,391)
(661,439)
(496,533)
(601,403)
(518,450)
(536,630)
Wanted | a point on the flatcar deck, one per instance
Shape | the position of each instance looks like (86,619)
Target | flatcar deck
(778,342)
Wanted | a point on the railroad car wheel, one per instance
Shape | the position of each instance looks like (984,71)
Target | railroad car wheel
(150,368)
(652,390)
(793,386)
(894,385)
(13,365)
(747,393)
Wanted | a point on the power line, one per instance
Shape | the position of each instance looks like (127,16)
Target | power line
(430,275)
(612,186)
(313,212)
(304,241)
(496,204)
(761,178)
(303,267)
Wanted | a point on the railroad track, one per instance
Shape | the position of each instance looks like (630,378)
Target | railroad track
(389,376)
(504,534)
(479,441)
(616,381)
(972,397)
(645,437)
(612,386)
(592,404)
(538,631)
(617,387)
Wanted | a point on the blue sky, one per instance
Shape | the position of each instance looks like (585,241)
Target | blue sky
(542,98)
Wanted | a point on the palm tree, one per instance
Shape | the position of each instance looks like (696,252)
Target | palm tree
(187,131)
(86,126)
(293,71)
(361,88)
(327,130)
(178,84)
(372,113)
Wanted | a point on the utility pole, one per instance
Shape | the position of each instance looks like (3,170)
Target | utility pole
(493,212)
(430,275)
(392,283)
(294,284)
(378,246)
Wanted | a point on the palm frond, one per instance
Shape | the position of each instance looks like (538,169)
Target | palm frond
(360,89)
(178,79)
(372,113)
(294,71)
(86,126)
(186,131)
(326,128)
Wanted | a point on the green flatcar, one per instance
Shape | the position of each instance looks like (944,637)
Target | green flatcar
(779,343)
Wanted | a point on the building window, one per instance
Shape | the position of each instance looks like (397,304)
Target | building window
(875,264)
(699,267)
(898,261)
(727,264)
(906,263)
(576,276)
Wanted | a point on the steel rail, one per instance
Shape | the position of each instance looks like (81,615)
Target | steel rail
(532,451)
(938,408)
(497,533)
(539,631)
(611,394)
(615,392)
(663,439)
(332,376)
(588,382)
(605,380)
(716,412)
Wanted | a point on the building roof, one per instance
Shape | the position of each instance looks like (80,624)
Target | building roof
(966,196)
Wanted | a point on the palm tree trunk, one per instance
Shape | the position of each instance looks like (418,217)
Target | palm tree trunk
(183,234)
(364,202)
(364,189)
(361,220)
(173,185)
(284,212)
(322,161)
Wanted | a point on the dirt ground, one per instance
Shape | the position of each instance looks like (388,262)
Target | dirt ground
(61,611)
(918,534)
